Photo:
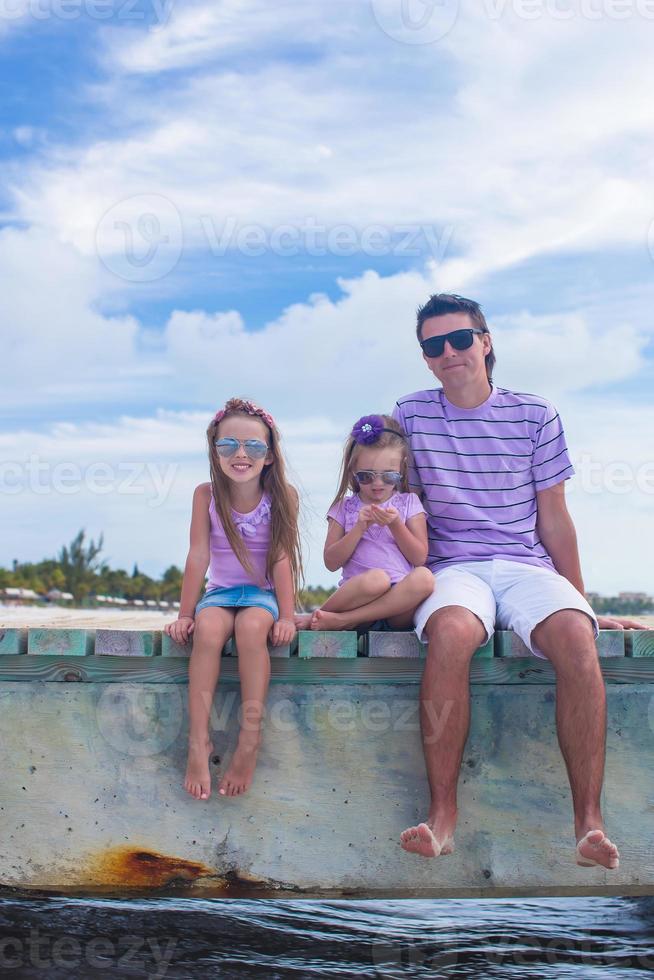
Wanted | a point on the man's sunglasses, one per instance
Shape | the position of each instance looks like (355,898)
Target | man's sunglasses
(390,477)
(254,448)
(458,339)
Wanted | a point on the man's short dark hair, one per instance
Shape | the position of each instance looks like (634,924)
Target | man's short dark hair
(441,303)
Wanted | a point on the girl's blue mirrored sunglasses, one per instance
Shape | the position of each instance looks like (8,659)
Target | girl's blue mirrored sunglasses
(253,448)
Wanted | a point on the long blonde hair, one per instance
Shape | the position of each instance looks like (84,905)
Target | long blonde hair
(396,439)
(284,532)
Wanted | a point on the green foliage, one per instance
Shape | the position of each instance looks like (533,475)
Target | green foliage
(314,596)
(616,606)
(79,564)
(80,570)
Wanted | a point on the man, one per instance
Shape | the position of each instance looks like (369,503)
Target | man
(491,466)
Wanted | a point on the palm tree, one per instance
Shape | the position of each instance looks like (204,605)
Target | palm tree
(80,563)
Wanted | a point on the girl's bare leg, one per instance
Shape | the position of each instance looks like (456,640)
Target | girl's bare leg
(355,592)
(251,628)
(213,627)
(396,605)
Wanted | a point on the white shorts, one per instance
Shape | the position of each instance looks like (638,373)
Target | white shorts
(509,594)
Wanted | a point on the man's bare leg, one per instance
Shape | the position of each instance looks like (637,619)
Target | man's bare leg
(397,601)
(454,634)
(213,627)
(566,638)
(355,592)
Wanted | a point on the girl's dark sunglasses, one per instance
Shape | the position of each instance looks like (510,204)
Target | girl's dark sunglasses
(458,339)
(391,477)
(254,448)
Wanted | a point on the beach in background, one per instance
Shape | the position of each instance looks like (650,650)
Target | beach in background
(59,617)
(127,619)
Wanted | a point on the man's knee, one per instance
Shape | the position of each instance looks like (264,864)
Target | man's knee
(454,630)
(566,633)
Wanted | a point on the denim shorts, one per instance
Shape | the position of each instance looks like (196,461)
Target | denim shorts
(240,596)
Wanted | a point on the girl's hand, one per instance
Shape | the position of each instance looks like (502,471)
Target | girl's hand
(366,516)
(282,632)
(384,515)
(181,629)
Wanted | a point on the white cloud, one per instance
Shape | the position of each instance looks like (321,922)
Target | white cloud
(197,32)
(54,341)
(565,353)
(497,131)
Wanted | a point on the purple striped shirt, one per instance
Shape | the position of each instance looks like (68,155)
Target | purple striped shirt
(479,469)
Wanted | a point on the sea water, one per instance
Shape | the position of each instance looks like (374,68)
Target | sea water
(582,938)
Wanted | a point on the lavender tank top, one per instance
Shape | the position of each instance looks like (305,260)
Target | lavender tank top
(225,570)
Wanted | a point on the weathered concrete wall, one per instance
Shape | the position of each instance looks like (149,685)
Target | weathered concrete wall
(92,795)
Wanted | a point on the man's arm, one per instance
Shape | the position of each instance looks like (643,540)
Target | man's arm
(557,532)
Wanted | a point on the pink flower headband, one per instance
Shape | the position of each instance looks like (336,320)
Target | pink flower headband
(249,408)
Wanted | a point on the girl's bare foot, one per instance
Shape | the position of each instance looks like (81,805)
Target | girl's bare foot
(302,621)
(239,775)
(323,620)
(198,778)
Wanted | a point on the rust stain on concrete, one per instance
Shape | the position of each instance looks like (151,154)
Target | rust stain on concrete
(130,867)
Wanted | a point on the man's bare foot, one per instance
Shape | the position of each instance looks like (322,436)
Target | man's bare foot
(323,620)
(239,775)
(198,778)
(596,850)
(302,621)
(421,840)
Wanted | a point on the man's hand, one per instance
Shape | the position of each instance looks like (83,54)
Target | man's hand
(619,623)
(282,632)
(181,629)
(384,515)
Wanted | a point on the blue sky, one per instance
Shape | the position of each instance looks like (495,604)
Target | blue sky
(205,199)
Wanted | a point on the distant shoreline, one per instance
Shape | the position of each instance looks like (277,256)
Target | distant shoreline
(66,617)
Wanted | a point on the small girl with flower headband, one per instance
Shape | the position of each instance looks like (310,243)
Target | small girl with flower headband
(244,529)
(377,534)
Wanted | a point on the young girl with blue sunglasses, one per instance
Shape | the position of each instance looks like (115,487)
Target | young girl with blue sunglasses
(244,528)
(377,534)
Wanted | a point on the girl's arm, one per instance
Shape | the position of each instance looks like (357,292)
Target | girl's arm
(284,629)
(339,546)
(196,566)
(411,538)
